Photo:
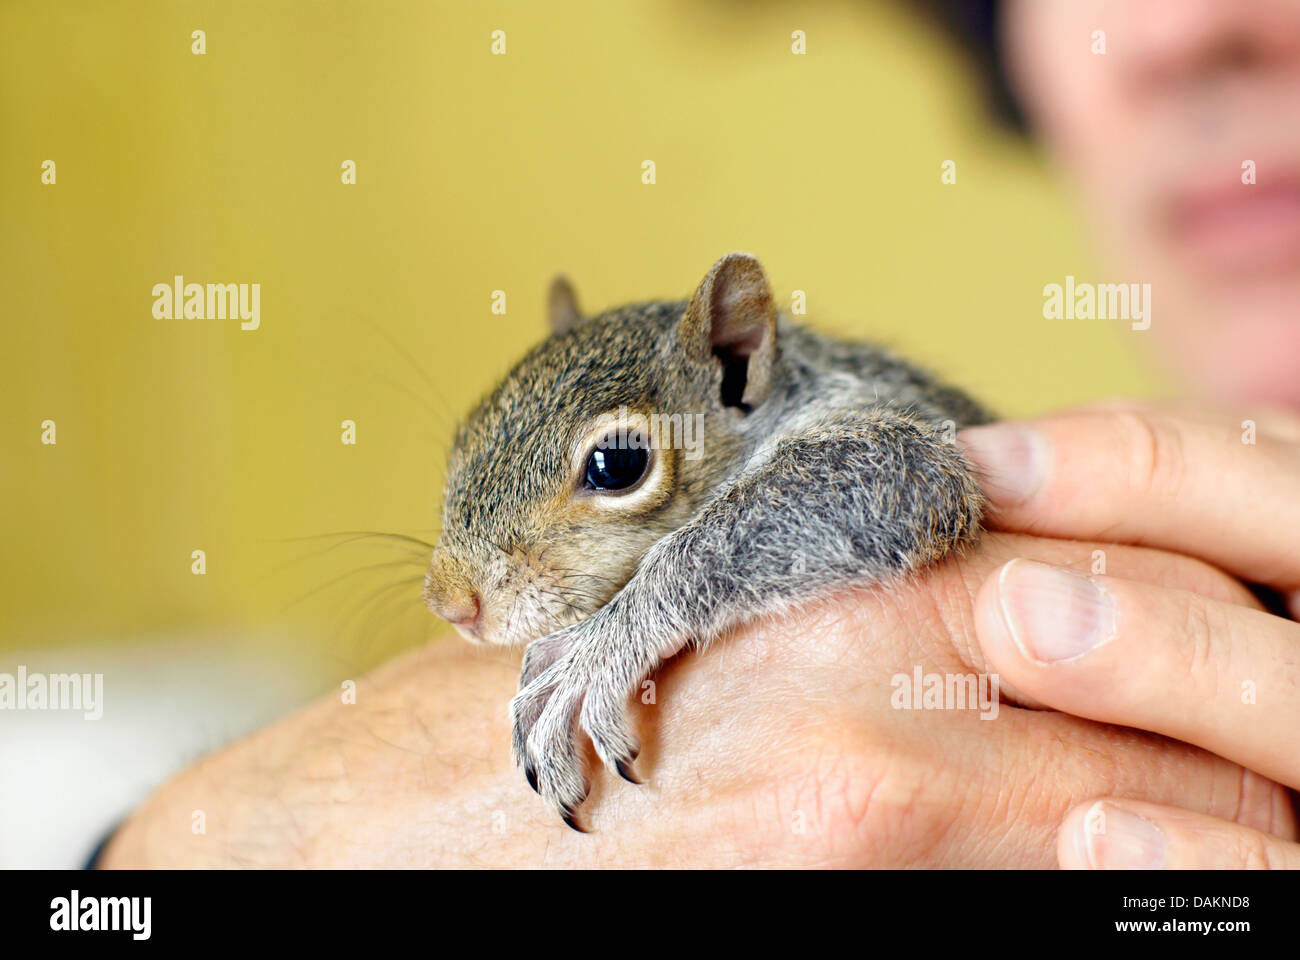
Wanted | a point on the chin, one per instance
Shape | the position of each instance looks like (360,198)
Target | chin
(1253,358)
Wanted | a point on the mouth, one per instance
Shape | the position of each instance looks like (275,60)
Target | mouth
(1240,229)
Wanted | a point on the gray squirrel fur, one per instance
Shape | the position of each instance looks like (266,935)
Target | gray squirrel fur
(825,463)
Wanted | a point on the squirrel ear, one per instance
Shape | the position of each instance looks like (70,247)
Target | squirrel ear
(732,317)
(562,305)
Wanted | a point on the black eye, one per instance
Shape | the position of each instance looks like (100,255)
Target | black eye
(617,467)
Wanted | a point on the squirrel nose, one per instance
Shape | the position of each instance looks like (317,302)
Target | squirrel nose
(460,607)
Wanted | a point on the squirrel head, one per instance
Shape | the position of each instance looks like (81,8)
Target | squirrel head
(613,432)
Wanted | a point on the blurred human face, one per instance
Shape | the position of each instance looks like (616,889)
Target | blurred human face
(1154,133)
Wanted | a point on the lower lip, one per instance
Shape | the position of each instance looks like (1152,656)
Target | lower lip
(1256,229)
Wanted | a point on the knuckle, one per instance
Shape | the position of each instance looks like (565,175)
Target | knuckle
(1153,450)
(1203,636)
(1254,851)
(1264,805)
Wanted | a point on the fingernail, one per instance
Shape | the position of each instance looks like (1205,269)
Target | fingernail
(1114,839)
(1053,614)
(1009,458)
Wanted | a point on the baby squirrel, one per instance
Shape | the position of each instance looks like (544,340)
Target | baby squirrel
(569,526)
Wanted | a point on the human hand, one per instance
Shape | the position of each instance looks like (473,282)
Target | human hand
(776,747)
(1220,674)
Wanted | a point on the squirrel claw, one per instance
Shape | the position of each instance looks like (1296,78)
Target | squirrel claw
(625,772)
(571,820)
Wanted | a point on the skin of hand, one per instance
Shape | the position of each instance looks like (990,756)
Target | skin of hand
(778,746)
(1201,669)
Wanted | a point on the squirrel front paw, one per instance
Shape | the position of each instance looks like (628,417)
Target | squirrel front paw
(542,653)
(581,685)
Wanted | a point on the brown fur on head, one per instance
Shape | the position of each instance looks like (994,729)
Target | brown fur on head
(527,545)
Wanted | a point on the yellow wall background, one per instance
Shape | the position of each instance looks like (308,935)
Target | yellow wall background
(475,173)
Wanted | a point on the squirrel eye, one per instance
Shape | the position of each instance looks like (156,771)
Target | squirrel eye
(617,467)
